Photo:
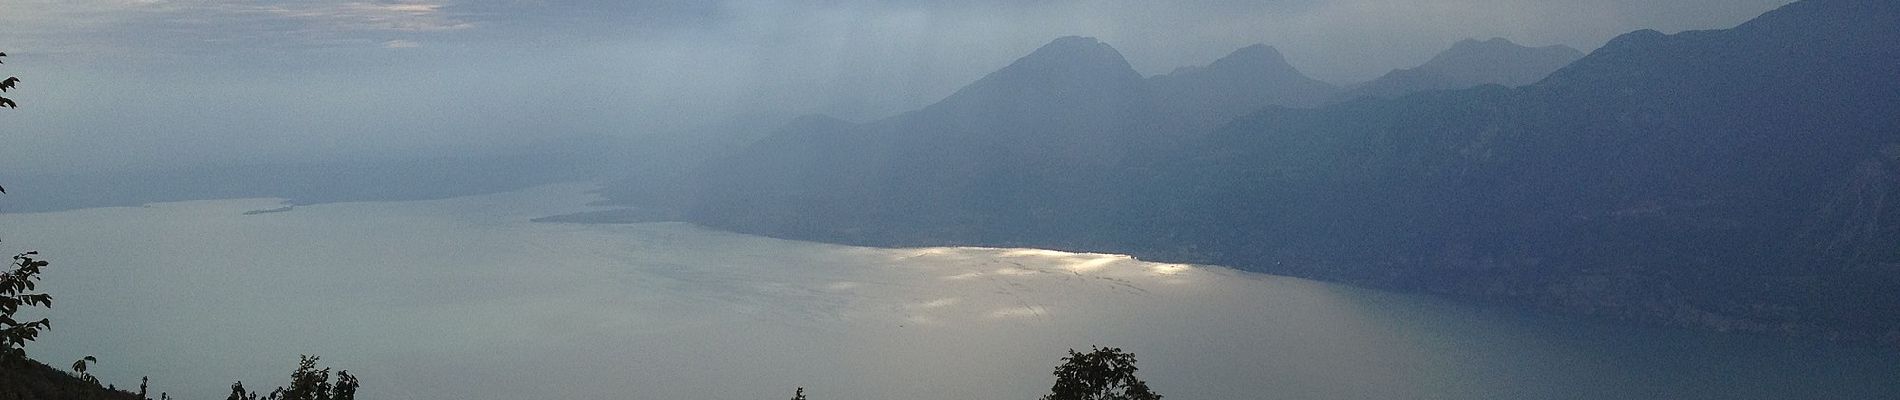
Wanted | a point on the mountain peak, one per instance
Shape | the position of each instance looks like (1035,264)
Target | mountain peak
(1258,56)
(1068,60)
(1242,82)
(1073,78)
(1472,62)
(1474,51)
(1256,51)
(1075,48)
(1492,43)
(1499,61)
(1073,40)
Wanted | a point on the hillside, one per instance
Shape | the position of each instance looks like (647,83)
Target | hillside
(25,379)
(1735,179)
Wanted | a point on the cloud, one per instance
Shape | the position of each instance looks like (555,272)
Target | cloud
(287,76)
(357,16)
(131,27)
(401,44)
(1337,39)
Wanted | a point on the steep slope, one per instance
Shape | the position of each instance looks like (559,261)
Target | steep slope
(1241,83)
(958,170)
(1069,100)
(776,177)
(1737,179)
(1019,156)
(1471,63)
(23,378)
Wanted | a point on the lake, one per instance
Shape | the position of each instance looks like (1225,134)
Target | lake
(465,298)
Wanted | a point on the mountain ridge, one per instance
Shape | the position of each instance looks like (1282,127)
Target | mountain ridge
(1470,63)
(1244,81)
(1657,179)
(1726,179)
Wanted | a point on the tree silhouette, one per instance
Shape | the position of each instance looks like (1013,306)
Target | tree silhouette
(79,369)
(16,283)
(306,383)
(17,290)
(1102,374)
(22,377)
(6,85)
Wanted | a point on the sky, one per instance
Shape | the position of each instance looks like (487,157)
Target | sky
(126,84)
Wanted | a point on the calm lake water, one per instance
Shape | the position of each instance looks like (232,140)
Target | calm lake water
(466,299)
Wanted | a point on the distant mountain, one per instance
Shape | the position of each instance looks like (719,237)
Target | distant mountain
(1073,99)
(1053,121)
(1023,145)
(1471,63)
(1741,179)
(1248,80)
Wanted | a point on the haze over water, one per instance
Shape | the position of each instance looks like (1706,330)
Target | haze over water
(466,299)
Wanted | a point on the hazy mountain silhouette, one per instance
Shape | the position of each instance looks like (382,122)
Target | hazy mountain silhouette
(1470,63)
(1734,179)
(1053,121)
(1738,179)
(1006,159)
(1245,81)
(1071,100)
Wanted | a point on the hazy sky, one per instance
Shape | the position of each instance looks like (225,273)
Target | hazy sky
(119,83)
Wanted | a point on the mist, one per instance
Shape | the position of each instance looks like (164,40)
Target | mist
(1539,199)
(117,86)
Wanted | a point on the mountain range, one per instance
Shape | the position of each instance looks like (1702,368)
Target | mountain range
(1471,63)
(1250,79)
(1740,179)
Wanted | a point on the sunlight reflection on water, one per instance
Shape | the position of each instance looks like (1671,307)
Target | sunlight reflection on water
(464,298)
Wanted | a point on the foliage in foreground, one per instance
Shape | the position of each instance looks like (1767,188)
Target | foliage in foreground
(25,379)
(5,85)
(306,383)
(1102,374)
(17,285)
